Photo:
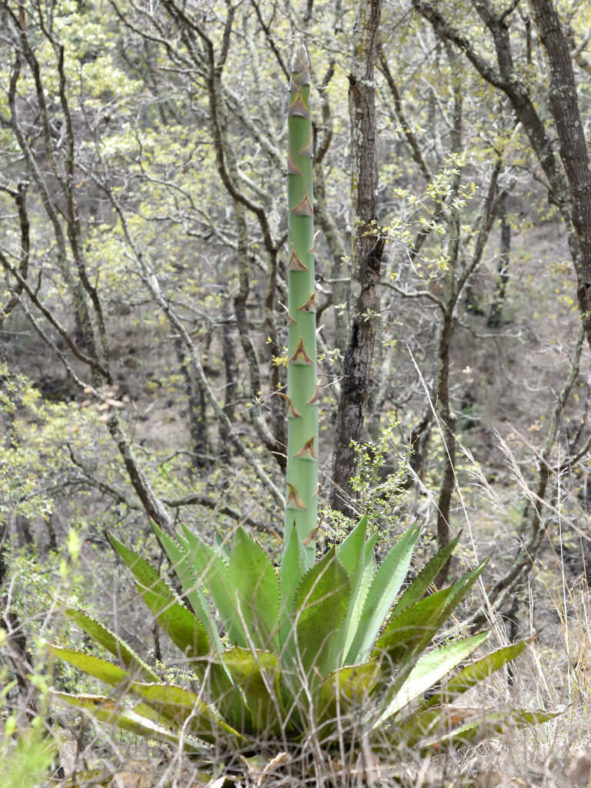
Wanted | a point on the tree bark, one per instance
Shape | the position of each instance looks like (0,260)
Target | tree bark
(496,308)
(564,106)
(367,255)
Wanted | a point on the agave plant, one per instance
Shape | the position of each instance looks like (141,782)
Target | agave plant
(336,649)
(336,645)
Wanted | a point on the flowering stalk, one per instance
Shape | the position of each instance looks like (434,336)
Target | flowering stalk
(302,435)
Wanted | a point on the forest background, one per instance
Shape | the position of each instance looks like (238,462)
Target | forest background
(142,306)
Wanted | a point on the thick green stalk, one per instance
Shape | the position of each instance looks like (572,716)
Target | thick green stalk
(302,434)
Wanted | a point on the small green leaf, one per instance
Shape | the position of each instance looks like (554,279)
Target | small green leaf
(180,624)
(381,595)
(112,643)
(256,589)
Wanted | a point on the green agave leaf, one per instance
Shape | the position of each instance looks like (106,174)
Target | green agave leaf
(214,575)
(381,595)
(257,673)
(407,636)
(476,672)
(344,691)
(221,546)
(321,604)
(167,703)
(112,712)
(486,724)
(429,669)
(256,589)
(369,548)
(350,552)
(414,627)
(229,697)
(460,588)
(181,707)
(420,585)
(178,555)
(100,668)
(293,568)
(180,624)
(401,640)
(112,643)
(428,718)
(360,566)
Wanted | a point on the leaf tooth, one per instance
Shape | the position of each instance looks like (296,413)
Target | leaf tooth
(303,208)
(309,305)
(308,449)
(314,398)
(289,317)
(292,409)
(295,264)
(294,497)
(301,355)
(298,108)
(300,69)
(313,535)
(308,150)
(292,168)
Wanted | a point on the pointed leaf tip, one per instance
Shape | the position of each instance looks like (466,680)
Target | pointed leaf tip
(300,67)
(301,59)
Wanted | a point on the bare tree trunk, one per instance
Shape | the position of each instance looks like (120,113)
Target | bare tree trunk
(277,382)
(419,438)
(231,372)
(196,406)
(496,308)
(340,285)
(564,106)
(16,646)
(367,255)
(447,425)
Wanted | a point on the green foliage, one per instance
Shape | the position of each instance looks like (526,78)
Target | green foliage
(334,647)
(25,764)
